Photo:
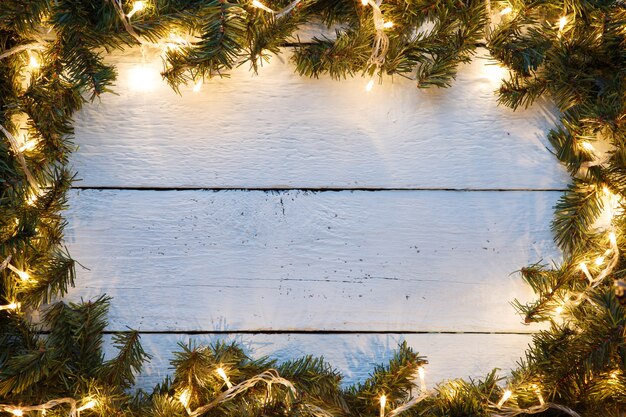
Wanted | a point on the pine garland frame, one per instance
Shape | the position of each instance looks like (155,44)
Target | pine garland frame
(573,52)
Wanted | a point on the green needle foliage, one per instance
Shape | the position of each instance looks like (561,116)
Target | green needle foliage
(578,360)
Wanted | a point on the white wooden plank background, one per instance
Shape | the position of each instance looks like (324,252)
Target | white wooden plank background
(279,130)
(248,260)
(410,256)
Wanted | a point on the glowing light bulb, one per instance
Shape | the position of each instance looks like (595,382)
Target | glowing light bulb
(559,310)
(220,371)
(29,145)
(505,397)
(562,22)
(369,86)
(137,7)
(33,63)
(31,200)
(583,267)
(365,2)
(538,393)
(613,238)
(24,276)
(506,10)
(383,403)
(388,25)
(198,85)
(143,77)
(599,260)
(261,6)
(17,412)
(421,373)
(185,397)
(12,306)
(613,375)
(88,405)
(587,146)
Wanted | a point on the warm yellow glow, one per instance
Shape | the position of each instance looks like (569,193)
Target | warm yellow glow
(184,398)
(143,77)
(562,22)
(137,7)
(31,200)
(613,375)
(24,276)
(12,306)
(261,6)
(538,393)
(583,267)
(369,86)
(506,10)
(365,2)
(198,85)
(559,310)
(507,394)
(88,405)
(29,145)
(17,412)
(383,403)
(599,260)
(421,372)
(587,146)
(388,25)
(613,238)
(222,373)
(495,72)
(33,63)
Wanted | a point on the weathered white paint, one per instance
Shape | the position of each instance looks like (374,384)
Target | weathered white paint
(353,260)
(279,130)
(450,356)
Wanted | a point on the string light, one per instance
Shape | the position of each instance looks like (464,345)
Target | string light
(33,63)
(365,2)
(369,86)
(538,393)
(220,371)
(383,403)
(24,276)
(259,5)
(559,310)
(583,267)
(505,397)
(88,405)
(185,398)
(587,146)
(137,7)
(506,10)
(198,85)
(280,14)
(28,145)
(17,412)
(421,373)
(612,239)
(388,25)
(562,22)
(599,260)
(11,306)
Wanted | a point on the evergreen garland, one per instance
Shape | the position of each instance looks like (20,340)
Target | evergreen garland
(571,52)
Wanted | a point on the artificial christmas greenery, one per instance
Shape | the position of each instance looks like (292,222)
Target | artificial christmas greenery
(571,52)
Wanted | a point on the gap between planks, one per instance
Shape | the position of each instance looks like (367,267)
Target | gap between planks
(316,189)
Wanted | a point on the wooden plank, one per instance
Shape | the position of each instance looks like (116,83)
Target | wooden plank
(355,355)
(352,260)
(279,130)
